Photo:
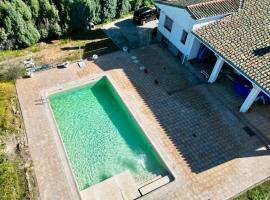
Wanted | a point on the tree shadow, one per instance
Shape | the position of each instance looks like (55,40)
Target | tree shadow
(70,48)
(96,42)
(96,34)
(99,48)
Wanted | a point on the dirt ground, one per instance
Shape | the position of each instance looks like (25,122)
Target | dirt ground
(75,47)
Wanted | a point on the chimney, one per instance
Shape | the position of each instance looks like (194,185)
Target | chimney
(241,5)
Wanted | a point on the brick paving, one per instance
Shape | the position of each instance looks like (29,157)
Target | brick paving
(258,118)
(212,156)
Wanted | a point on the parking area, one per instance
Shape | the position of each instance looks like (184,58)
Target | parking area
(125,32)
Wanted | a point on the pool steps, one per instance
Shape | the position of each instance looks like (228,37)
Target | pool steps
(149,181)
(154,185)
(119,187)
(122,187)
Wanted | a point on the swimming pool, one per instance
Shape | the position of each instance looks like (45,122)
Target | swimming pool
(101,137)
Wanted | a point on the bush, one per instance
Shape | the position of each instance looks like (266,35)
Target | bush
(12,73)
(3,35)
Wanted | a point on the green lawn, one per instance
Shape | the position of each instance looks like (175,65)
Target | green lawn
(260,192)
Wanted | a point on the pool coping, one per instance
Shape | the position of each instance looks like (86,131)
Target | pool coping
(157,145)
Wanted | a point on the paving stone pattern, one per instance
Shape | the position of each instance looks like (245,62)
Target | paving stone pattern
(214,157)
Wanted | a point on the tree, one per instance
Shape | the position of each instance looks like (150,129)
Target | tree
(23,10)
(3,35)
(16,21)
(47,21)
(64,7)
(35,8)
(79,14)
(137,4)
(123,7)
(95,9)
(109,9)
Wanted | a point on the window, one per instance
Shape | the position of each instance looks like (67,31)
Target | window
(184,37)
(168,23)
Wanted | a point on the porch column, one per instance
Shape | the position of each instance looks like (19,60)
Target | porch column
(216,70)
(250,98)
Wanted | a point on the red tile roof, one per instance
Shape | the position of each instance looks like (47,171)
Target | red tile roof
(204,8)
(243,39)
(213,8)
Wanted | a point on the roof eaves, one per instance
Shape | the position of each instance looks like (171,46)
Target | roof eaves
(170,4)
(219,8)
(177,6)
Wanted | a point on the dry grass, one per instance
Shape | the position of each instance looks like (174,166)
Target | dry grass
(79,45)
(13,183)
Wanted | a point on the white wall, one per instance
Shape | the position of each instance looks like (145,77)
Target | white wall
(182,20)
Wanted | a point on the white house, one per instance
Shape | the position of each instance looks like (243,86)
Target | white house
(179,17)
(236,32)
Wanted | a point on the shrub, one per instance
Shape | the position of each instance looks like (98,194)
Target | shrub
(3,35)
(12,73)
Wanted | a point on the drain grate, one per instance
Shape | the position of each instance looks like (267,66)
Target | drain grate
(249,131)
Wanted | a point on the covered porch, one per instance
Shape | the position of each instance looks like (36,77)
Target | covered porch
(253,91)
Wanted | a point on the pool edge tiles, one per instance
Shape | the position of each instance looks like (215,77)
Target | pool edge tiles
(109,85)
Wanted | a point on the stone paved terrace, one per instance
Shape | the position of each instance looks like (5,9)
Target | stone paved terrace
(212,156)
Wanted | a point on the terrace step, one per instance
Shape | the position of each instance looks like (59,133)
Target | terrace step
(149,181)
(154,185)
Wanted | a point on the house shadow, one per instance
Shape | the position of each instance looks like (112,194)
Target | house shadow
(203,130)
(127,33)
(128,130)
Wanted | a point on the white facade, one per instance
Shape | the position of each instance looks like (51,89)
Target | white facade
(182,21)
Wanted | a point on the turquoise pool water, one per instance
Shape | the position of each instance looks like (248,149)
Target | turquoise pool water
(101,137)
